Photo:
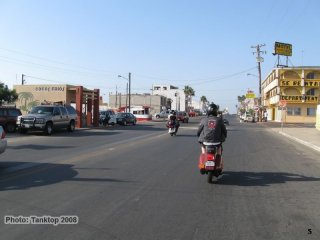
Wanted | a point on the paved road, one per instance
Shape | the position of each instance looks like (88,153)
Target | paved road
(140,183)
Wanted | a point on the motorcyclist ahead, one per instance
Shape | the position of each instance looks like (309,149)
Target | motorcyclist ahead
(212,130)
(173,118)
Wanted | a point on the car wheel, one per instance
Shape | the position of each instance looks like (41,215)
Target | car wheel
(48,129)
(71,126)
(11,127)
(157,116)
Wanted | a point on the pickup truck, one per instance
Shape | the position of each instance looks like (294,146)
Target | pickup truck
(47,118)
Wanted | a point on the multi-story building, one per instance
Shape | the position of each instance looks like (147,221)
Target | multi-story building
(176,97)
(291,94)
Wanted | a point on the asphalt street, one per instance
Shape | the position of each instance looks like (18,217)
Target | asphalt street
(138,182)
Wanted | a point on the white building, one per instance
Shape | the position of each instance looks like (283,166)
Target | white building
(176,97)
(197,105)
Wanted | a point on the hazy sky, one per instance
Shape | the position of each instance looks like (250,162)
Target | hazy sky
(205,44)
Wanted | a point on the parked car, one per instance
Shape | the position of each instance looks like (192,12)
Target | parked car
(3,140)
(48,118)
(183,117)
(163,114)
(192,114)
(123,119)
(8,118)
(105,116)
(248,118)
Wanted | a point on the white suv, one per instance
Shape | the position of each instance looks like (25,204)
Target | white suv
(47,118)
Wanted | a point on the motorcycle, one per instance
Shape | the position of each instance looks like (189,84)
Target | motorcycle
(210,162)
(171,127)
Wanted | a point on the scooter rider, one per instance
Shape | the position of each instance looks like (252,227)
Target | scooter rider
(173,118)
(212,130)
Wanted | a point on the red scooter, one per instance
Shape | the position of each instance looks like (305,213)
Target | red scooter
(210,162)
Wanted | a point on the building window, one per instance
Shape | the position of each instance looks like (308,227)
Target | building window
(293,111)
(311,111)
(156,88)
(164,88)
(310,75)
(311,92)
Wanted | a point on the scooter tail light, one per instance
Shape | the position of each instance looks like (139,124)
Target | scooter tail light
(210,156)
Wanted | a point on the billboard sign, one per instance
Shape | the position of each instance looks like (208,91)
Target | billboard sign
(250,95)
(283,49)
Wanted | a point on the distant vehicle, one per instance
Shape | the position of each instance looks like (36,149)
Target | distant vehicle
(105,116)
(248,118)
(226,121)
(47,118)
(3,140)
(183,117)
(192,114)
(123,119)
(163,114)
(8,118)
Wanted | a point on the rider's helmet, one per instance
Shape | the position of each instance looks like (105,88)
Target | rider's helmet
(213,110)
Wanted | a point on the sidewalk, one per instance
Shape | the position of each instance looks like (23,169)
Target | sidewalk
(304,133)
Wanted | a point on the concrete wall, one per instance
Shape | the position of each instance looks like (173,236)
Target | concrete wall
(155,102)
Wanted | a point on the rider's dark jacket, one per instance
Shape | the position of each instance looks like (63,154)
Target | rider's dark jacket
(212,129)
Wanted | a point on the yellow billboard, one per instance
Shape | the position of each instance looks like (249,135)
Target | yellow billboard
(250,95)
(283,49)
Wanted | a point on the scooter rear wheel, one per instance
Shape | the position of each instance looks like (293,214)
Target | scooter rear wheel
(210,177)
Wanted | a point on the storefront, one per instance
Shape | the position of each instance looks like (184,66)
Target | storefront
(85,101)
(298,87)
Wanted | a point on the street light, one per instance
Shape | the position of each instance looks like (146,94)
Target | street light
(129,80)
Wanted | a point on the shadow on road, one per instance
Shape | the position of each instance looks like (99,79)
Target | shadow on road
(40,175)
(261,178)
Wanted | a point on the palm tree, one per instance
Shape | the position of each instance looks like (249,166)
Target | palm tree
(204,101)
(241,98)
(189,92)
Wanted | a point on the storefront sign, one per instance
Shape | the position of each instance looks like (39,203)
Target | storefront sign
(313,83)
(250,95)
(283,49)
(50,89)
(290,83)
(300,98)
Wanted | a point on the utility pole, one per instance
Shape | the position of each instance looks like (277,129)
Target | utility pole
(22,79)
(129,91)
(259,60)
(116,97)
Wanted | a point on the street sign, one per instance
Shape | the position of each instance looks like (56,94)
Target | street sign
(282,103)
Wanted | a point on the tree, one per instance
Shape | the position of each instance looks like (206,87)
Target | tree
(241,98)
(189,92)
(25,98)
(203,99)
(7,95)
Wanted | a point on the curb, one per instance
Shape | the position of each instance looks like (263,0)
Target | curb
(310,145)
